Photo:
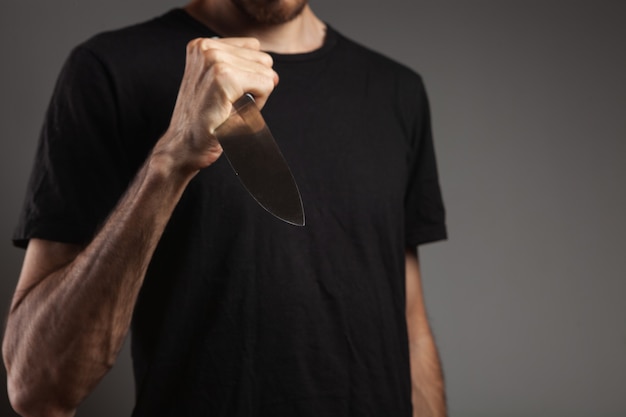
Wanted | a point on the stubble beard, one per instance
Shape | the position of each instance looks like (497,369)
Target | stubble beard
(270,12)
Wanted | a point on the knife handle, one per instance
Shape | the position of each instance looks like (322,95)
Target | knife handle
(243,101)
(244,115)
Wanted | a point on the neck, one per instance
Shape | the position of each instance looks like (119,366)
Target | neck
(305,33)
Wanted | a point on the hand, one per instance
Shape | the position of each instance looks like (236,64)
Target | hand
(217,73)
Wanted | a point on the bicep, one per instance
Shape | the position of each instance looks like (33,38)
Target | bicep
(42,258)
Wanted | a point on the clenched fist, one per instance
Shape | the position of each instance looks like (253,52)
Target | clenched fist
(217,73)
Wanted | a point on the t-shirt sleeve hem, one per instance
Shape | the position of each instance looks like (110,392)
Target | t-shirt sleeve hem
(425,235)
(55,233)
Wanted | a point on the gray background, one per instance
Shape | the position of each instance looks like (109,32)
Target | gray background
(529,103)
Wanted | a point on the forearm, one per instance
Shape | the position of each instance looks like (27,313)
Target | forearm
(64,333)
(427,385)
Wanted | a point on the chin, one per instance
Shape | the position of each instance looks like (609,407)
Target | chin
(270,12)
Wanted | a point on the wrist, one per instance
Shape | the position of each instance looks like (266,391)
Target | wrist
(164,164)
(183,152)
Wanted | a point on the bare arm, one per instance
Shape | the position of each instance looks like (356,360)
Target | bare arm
(428,392)
(73,305)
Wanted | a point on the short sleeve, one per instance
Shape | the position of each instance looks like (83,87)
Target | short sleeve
(424,209)
(79,171)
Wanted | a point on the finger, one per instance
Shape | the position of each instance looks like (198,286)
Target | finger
(256,66)
(235,82)
(248,43)
(232,46)
(226,71)
(238,62)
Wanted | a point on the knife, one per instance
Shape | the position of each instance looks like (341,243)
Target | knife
(256,159)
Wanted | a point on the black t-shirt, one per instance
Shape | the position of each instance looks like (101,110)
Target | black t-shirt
(241,314)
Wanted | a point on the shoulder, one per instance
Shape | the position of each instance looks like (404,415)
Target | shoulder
(377,62)
(141,59)
(147,40)
(397,87)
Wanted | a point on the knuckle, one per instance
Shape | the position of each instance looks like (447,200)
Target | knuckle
(254,43)
(221,71)
(267,83)
(213,55)
(266,59)
(270,74)
(193,44)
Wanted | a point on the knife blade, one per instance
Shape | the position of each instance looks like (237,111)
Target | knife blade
(257,160)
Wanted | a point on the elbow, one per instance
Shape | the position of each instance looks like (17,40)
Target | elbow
(15,391)
(19,397)
(19,400)
(26,396)
(27,403)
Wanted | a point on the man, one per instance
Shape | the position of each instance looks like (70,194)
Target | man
(132,217)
